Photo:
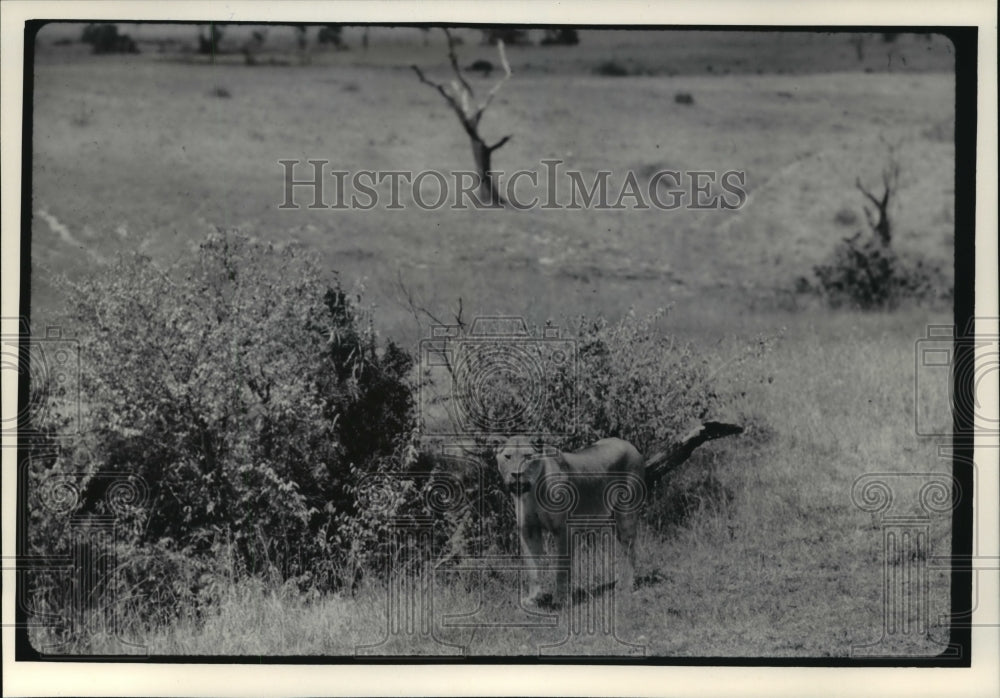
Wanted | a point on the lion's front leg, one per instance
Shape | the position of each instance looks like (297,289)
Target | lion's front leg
(533,553)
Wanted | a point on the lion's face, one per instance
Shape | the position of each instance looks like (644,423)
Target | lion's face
(513,460)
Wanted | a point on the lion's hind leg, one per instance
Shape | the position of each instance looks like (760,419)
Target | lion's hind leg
(626,526)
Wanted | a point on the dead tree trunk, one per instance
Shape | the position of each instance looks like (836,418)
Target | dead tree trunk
(482,152)
(662,462)
(459,97)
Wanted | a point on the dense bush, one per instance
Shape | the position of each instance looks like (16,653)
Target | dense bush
(625,379)
(635,382)
(867,274)
(247,396)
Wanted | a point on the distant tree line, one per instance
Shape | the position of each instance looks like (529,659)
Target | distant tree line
(104,38)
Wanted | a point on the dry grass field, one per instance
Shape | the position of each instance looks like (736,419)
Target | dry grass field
(140,152)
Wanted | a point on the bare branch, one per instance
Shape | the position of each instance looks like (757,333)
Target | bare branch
(464,95)
(440,88)
(453,59)
(890,178)
(415,307)
(418,310)
(870,218)
(864,191)
(500,142)
(408,300)
(489,97)
(882,227)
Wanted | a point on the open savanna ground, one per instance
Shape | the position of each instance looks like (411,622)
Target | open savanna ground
(772,558)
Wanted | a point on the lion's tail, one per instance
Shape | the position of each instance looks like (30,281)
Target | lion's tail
(662,462)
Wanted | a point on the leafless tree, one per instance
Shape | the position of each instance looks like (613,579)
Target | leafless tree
(460,97)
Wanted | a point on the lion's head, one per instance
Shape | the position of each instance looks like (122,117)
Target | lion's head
(520,463)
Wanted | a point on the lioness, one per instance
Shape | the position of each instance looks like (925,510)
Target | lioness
(549,488)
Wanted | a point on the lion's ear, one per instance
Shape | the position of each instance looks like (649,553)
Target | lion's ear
(492,446)
(495,441)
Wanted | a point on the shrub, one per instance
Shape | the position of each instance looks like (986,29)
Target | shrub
(864,273)
(635,383)
(611,68)
(628,380)
(247,395)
